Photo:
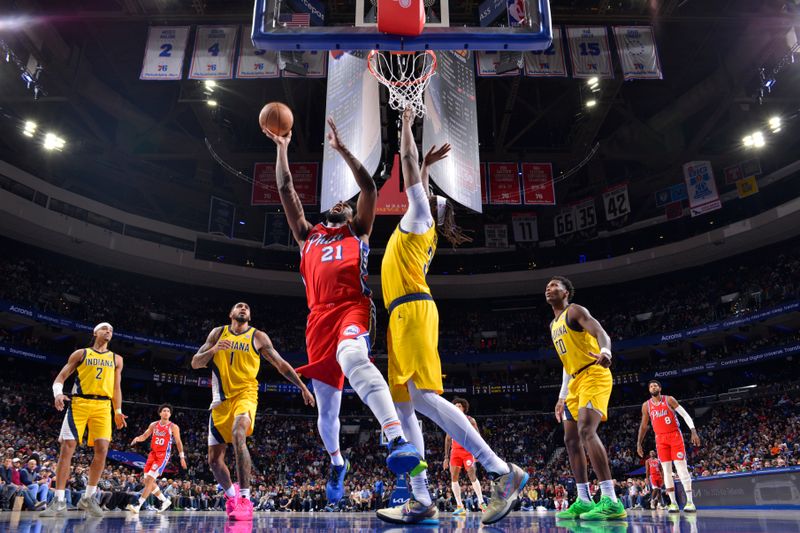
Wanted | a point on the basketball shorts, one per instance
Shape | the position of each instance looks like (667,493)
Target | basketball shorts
(327,326)
(413,345)
(220,422)
(669,446)
(462,459)
(156,463)
(589,389)
(656,481)
(83,413)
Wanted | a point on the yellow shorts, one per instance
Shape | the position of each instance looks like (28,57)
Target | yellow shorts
(413,342)
(97,415)
(592,389)
(220,423)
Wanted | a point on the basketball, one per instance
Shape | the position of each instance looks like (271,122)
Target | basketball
(277,118)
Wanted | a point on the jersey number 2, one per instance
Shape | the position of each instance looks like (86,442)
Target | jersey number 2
(99,373)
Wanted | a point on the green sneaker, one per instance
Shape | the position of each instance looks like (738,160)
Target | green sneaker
(575,510)
(605,510)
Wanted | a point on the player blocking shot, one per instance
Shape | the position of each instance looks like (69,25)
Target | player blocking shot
(97,390)
(333,267)
(584,348)
(415,368)
(234,354)
(162,433)
(661,411)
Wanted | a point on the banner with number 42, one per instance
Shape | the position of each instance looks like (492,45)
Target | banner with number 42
(615,201)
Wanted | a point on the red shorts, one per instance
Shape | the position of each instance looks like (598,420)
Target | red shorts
(327,326)
(669,447)
(462,458)
(656,481)
(156,463)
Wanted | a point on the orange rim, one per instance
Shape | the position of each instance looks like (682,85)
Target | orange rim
(381,78)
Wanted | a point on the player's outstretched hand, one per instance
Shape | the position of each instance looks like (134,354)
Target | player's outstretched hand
(281,141)
(59,401)
(695,438)
(333,136)
(435,155)
(640,450)
(445,465)
(308,398)
(602,359)
(119,420)
(408,115)
(559,410)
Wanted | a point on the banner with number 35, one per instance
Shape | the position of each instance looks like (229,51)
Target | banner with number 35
(164,53)
(214,47)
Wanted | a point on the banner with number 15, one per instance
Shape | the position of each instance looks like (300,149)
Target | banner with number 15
(214,47)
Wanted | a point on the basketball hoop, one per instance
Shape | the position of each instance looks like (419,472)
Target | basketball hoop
(405,74)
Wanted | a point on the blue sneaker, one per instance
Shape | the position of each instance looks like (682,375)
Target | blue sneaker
(404,458)
(334,487)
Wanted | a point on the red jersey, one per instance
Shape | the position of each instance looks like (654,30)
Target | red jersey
(162,438)
(662,416)
(455,447)
(333,265)
(654,466)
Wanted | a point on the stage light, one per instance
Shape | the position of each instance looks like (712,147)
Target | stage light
(775,124)
(210,84)
(30,129)
(53,142)
(211,103)
(747,141)
(591,103)
(758,139)
(594,80)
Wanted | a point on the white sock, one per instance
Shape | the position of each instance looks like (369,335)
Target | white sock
(419,488)
(329,402)
(60,495)
(457,493)
(230,492)
(607,489)
(689,497)
(476,486)
(671,495)
(686,478)
(90,490)
(583,492)
(367,381)
(141,502)
(244,493)
(160,495)
(456,424)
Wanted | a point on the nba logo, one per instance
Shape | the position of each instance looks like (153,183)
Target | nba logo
(680,455)
(405,4)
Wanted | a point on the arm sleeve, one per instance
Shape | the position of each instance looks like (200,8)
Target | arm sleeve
(688,419)
(418,218)
(564,386)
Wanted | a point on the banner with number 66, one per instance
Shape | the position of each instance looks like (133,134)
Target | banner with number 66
(615,201)
(213,53)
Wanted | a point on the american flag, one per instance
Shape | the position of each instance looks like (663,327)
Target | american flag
(295,20)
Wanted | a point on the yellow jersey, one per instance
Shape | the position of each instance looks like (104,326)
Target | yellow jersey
(95,374)
(405,263)
(572,346)
(234,371)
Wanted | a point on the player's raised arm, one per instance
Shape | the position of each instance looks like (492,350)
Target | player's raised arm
(144,436)
(66,371)
(211,347)
(290,200)
(119,418)
(176,434)
(581,315)
(268,352)
(368,199)
(643,425)
(678,408)
(446,461)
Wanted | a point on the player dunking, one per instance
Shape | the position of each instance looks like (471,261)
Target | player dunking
(415,369)
(97,387)
(163,432)
(457,458)
(584,348)
(669,442)
(333,266)
(234,354)
(652,469)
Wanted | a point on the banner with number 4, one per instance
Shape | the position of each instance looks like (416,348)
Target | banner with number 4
(164,52)
(214,47)
(615,201)
(254,63)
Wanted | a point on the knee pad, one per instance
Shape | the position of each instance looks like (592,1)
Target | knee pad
(666,467)
(353,357)
(683,472)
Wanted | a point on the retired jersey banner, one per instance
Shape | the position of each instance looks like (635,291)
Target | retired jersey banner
(496,235)
(747,186)
(549,63)
(564,222)
(589,51)
(638,52)
(701,187)
(504,184)
(488,62)
(265,186)
(221,215)
(214,47)
(585,214)
(255,63)
(525,226)
(733,174)
(314,61)
(537,184)
(164,53)
(616,202)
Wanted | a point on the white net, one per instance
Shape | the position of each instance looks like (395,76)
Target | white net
(405,74)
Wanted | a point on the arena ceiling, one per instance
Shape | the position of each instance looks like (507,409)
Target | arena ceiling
(140,145)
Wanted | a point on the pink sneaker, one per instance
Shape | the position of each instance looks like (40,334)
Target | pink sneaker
(232,504)
(243,511)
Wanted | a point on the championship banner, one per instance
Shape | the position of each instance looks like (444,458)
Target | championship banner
(747,187)
(488,62)
(616,202)
(504,184)
(265,186)
(526,228)
(452,117)
(549,63)
(314,61)
(214,47)
(221,216)
(537,184)
(255,63)
(589,51)
(733,174)
(484,194)
(638,53)
(701,187)
(164,52)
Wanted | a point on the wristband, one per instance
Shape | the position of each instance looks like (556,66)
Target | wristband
(118,411)
(606,352)
(182,455)
(58,389)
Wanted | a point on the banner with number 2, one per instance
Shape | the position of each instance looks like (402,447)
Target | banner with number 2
(163,56)
(213,53)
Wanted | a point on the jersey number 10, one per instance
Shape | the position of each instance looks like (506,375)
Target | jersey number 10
(561,347)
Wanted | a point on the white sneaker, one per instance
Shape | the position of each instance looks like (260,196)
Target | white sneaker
(133,508)
(166,504)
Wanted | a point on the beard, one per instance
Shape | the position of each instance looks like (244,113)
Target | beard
(654,394)
(335,218)
(241,318)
